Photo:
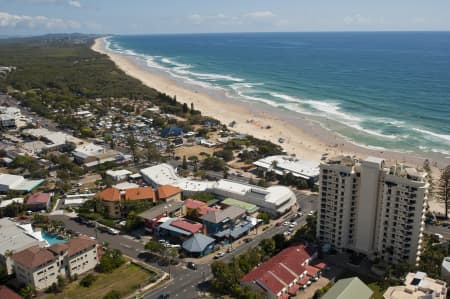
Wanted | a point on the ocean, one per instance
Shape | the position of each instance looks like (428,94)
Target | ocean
(381,90)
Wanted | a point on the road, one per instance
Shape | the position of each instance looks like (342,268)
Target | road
(186,283)
(437,229)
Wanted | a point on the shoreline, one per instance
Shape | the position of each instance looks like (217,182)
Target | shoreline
(303,136)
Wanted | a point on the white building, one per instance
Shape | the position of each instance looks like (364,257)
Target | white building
(9,116)
(92,155)
(418,286)
(40,267)
(17,183)
(445,269)
(118,175)
(54,140)
(14,238)
(372,208)
(275,200)
(282,164)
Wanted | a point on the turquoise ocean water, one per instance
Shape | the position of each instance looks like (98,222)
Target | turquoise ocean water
(387,90)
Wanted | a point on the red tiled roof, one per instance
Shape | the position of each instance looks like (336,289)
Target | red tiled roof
(38,198)
(312,271)
(293,290)
(7,293)
(140,193)
(79,244)
(192,227)
(270,282)
(110,194)
(283,268)
(33,257)
(205,210)
(194,204)
(284,296)
(303,280)
(168,191)
(319,265)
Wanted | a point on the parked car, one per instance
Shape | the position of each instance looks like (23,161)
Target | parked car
(293,224)
(286,223)
(219,255)
(230,249)
(192,266)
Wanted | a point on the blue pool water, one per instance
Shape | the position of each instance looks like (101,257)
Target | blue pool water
(52,239)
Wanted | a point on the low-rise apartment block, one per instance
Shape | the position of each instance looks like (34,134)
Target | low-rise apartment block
(40,267)
(418,286)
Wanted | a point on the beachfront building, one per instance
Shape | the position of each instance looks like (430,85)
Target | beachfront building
(418,286)
(351,287)
(285,274)
(283,164)
(17,183)
(275,200)
(39,202)
(13,238)
(372,208)
(40,267)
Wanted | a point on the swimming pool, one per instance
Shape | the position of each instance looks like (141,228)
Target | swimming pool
(52,239)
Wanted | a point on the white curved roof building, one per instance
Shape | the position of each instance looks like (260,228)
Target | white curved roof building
(275,200)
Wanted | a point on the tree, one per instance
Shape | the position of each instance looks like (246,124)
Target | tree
(88,280)
(444,188)
(111,260)
(27,292)
(264,217)
(154,246)
(184,165)
(268,247)
(132,144)
(152,152)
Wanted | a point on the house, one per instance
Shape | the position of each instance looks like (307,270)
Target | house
(351,287)
(284,274)
(7,293)
(14,238)
(169,193)
(171,132)
(418,286)
(40,267)
(152,216)
(219,220)
(39,201)
(198,245)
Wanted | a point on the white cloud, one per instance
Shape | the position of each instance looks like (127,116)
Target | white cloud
(8,20)
(260,14)
(222,19)
(74,3)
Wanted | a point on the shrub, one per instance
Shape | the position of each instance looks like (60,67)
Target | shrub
(88,280)
(113,294)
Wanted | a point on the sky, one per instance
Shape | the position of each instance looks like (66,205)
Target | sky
(33,17)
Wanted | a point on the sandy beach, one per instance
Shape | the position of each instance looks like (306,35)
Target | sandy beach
(303,137)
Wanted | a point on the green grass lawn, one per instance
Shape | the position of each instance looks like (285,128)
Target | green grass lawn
(378,291)
(125,279)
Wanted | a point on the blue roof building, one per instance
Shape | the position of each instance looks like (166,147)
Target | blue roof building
(198,245)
